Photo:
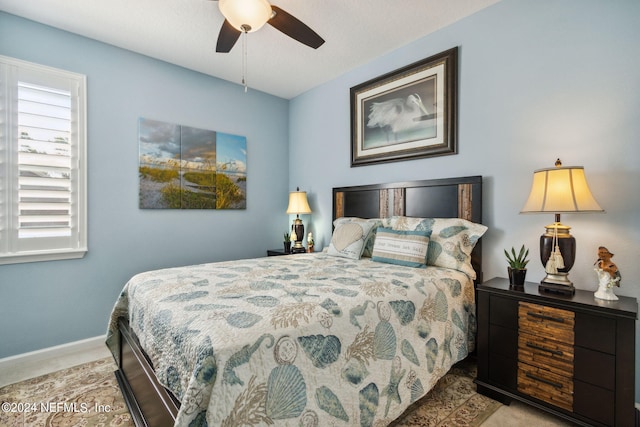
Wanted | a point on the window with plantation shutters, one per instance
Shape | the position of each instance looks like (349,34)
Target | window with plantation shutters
(42,163)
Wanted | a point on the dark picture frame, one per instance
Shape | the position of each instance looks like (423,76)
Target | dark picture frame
(408,113)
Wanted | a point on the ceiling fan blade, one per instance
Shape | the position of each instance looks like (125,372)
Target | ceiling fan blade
(294,28)
(227,38)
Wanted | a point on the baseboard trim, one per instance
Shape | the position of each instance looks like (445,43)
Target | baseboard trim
(55,351)
(28,365)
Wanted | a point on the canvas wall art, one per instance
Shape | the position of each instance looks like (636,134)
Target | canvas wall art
(183,167)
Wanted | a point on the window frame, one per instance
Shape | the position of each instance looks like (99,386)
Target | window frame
(10,252)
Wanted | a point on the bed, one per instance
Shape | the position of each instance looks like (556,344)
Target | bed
(349,336)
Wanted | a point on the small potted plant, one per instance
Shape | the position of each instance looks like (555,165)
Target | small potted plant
(287,243)
(517,266)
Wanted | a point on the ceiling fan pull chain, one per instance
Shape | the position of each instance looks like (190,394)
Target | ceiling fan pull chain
(244,61)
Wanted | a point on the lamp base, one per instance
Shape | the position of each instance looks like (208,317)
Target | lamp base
(298,249)
(557,244)
(557,283)
(297,228)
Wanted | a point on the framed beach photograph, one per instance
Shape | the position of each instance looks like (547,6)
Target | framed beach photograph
(182,167)
(408,113)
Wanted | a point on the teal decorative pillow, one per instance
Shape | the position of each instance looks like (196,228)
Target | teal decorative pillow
(350,236)
(451,240)
(407,248)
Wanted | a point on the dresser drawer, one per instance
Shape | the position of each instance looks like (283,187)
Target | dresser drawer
(593,367)
(503,312)
(595,403)
(544,353)
(546,386)
(596,333)
(504,341)
(546,322)
(503,371)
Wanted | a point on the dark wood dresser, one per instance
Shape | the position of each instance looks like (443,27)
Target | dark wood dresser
(573,356)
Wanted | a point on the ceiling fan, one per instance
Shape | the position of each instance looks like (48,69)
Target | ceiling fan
(247,16)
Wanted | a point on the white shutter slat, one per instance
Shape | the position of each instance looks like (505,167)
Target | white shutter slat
(42,221)
(38,183)
(36,208)
(45,123)
(43,171)
(29,146)
(36,159)
(43,196)
(35,134)
(42,109)
(44,95)
(26,233)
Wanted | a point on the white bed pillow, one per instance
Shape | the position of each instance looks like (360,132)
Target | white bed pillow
(350,235)
(368,245)
(451,240)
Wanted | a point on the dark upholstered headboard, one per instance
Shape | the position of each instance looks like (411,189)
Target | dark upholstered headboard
(433,198)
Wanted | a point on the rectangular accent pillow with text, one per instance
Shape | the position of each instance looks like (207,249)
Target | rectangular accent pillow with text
(408,248)
(451,240)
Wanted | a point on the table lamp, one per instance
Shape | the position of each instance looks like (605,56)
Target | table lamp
(298,204)
(561,189)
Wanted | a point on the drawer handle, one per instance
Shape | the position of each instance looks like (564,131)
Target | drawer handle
(545,317)
(542,380)
(541,348)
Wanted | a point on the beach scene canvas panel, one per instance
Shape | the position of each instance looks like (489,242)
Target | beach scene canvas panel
(231,167)
(183,167)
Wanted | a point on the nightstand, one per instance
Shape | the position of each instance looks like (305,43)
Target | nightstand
(573,356)
(276,252)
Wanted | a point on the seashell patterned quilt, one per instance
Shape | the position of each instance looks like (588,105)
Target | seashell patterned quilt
(299,340)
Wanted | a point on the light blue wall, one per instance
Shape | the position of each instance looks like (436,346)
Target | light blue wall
(50,303)
(538,81)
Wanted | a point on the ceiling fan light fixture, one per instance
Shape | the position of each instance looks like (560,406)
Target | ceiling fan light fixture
(246,15)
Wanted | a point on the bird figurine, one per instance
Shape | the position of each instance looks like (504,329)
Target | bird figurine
(397,114)
(608,275)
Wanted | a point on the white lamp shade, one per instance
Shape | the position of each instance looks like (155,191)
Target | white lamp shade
(560,190)
(298,203)
(251,13)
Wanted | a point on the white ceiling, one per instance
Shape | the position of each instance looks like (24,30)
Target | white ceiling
(184,32)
